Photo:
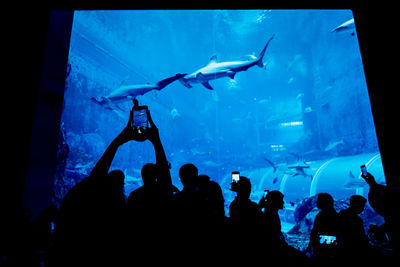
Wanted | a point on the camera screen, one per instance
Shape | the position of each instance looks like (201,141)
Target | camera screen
(140,118)
(235,177)
(327,239)
(364,170)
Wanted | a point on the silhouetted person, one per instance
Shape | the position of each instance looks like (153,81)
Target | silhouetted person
(186,223)
(43,229)
(242,211)
(351,238)
(147,203)
(275,245)
(187,201)
(272,203)
(385,201)
(148,207)
(91,220)
(352,231)
(211,199)
(209,239)
(325,224)
(245,225)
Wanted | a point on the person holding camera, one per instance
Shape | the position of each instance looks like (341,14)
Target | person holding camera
(242,210)
(149,208)
(92,215)
(384,200)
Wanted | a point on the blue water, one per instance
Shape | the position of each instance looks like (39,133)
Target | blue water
(308,106)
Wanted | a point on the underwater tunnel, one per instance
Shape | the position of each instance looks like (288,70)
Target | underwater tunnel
(338,176)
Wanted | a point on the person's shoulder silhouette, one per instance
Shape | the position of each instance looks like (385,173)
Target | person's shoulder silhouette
(352,232)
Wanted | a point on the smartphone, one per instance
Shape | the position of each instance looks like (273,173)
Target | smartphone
(363,170)
(235,177)
(327,239)
(140,117)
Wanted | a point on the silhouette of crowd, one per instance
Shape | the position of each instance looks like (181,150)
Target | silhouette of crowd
(158,224)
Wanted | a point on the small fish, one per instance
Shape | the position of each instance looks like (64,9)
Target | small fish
(332,145)
(263,101)
(299,96)
(232,84)
(274,181)
(175,113)
(308,110)
(211,163)
(271,163)
(325,106)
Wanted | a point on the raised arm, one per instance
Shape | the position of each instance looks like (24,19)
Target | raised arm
(103,165)
(161,159)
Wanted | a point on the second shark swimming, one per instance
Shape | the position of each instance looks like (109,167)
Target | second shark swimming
(215,70)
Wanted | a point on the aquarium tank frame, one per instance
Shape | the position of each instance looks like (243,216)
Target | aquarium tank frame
(45,132)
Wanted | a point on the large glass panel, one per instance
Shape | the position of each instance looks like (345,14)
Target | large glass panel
(296,118)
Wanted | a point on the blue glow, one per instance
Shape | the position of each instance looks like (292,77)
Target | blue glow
(308,101)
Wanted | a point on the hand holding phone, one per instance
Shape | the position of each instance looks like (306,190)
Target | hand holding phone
(235,181)
(140,119)
(364,171)
(367,176)
(235,177)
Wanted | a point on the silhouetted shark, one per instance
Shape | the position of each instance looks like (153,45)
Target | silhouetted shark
(129,92)
(300,170)
(215,70)
(348,26)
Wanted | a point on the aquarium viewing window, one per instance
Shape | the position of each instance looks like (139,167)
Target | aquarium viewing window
(279,95)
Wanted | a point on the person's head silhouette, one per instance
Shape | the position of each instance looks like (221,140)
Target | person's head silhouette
(244,187)
(149,174)
(324,201)
(188,174)
(274,200)
(114,180)
(357,203)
